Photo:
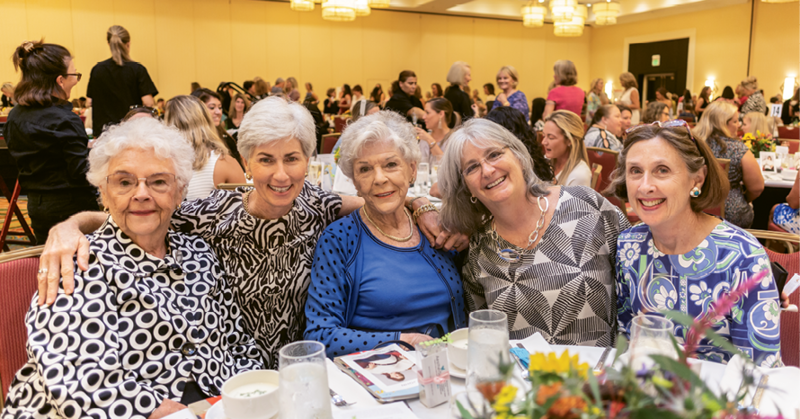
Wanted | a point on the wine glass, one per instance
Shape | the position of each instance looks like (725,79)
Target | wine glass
(303,383)
(414,119)
(650,335)
(488,348)
(423,178)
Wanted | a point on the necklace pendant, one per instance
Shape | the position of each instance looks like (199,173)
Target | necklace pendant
(508,255)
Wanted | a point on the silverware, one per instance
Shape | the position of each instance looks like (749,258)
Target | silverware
(525,373)
(762,384)
(603,358)
(338,400)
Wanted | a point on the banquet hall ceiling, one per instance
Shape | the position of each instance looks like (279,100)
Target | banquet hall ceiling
(630,10)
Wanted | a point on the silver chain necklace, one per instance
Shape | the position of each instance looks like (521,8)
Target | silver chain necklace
(512,255)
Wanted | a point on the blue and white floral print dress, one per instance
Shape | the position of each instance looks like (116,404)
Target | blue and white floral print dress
(651,282)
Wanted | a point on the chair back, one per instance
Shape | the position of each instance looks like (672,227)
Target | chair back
(794,145)
(18,282)
(607,160)
(790,322)
(719,211)
(596,170)
(328,141)
(232,186)
(339,124)
(788,133)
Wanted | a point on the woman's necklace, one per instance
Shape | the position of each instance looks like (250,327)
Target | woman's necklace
(511,255)
(397,239)
(245,202)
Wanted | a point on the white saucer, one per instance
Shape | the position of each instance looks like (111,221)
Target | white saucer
(454,372)
(218,412)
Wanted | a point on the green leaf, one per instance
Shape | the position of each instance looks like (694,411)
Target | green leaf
(622,346)
(653,413)
(677,368)
(464,413)
(724,343)
(679,317)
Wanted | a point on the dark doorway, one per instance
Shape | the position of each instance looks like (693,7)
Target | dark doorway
(670,72)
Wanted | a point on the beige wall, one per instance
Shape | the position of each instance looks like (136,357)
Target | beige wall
(208,41)
(720,44)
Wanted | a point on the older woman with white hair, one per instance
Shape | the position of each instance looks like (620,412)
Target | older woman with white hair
(457,93)
(152,324)
(375,277)
(544,255)
(264,235)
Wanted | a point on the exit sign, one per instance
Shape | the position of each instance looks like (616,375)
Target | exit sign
(656,61)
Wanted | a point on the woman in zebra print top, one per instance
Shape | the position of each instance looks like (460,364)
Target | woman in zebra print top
(265,236)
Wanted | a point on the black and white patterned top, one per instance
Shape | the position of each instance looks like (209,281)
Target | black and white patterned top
(564,287)
(268,261)
(135,330)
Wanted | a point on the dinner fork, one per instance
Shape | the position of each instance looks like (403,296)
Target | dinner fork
(603,358)
(338,400)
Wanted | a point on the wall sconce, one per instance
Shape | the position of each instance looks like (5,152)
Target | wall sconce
(712,83)
(610,90)
(788,86)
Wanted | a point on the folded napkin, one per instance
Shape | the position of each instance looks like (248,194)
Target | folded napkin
(780,393)
(348,388)
(534,343)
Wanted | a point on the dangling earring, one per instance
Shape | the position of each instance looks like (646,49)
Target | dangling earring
(412,182)
(105,210)
(695,192)
(248,176)
(473,200)
(440,123)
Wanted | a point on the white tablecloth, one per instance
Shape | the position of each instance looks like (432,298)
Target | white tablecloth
(774,180)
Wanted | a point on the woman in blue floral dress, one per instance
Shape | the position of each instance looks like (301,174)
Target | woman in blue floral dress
(682,259)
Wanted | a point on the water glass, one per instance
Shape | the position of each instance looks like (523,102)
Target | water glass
(303,383)
(650,335)
(488,348)
(423,175)
(314,172)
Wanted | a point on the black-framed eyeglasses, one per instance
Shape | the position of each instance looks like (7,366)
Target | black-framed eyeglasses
(143,109)
(122,183)
(78,75)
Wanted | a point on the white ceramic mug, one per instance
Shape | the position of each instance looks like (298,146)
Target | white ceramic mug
(259,406)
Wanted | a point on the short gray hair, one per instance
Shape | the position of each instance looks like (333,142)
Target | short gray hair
(385,126)
(275,119)
(458,73)
(144,133)
(458,212)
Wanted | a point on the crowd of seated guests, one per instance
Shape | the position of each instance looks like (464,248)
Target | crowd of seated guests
(288,260)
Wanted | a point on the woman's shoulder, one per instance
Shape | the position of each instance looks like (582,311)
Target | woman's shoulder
(218,202)
(638,231)
(730,232)
(319,199)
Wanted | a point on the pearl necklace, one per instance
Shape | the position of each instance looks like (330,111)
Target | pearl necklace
(397,239)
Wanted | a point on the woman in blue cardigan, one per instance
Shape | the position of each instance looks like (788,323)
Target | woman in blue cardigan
(375,278)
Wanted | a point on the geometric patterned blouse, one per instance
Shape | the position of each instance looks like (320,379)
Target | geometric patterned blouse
(133,332)
(564,287)
(651,282)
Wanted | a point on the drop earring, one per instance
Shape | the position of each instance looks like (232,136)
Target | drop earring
(440,123)
(473,200)
(695,192)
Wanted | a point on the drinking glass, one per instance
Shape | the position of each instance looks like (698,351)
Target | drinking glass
(303,382)
(423,177)
(650,335)
(314,172)
(488,347)
(414,119)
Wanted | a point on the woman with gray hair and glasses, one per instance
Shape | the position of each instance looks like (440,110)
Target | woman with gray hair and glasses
(375,277)
(264,235)
(542,254)
(147,291)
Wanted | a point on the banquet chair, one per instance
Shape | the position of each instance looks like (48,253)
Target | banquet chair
(790,322)
(13,210)
(233,186)
(596,171)
(788,133)
(329,141)
(339,124)
(794,145)
(607,160)
(18,282)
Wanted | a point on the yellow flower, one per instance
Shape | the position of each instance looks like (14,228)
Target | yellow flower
(748,136)
(558,365)
(503,401)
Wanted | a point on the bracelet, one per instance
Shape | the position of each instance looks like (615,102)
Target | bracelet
(423,209)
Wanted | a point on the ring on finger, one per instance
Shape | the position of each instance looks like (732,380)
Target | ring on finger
(43,271)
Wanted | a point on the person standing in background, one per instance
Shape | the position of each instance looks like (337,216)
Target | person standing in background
(118,83)
(46,139)
(566,95)
(630,97)
(507,80)
(7,95)
(457,93)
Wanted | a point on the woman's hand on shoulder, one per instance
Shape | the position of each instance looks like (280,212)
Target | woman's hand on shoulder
(431,226)
(64,242)
(414,338)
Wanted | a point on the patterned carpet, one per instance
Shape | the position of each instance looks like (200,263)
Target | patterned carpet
(23,206)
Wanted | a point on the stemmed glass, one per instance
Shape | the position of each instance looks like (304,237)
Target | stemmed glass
(650,335)
(304,381)
(488,348)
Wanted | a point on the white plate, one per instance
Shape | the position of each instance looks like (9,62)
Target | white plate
(218,412)
(454,372)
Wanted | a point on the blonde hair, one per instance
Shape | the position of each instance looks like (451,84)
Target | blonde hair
(628,80)
(571,127)
(191,117)
(458,73)
(714,123)
(511,71)
(759,122)
(118,39)
(750,83)
(566,72)
(291,84)
(594,83)
(232,111)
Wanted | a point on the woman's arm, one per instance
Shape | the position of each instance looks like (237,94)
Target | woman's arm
(635,100)
(147,100)
(330,301)
(228,171)
(753,179)
(549,108)
(698,107)
(793,199)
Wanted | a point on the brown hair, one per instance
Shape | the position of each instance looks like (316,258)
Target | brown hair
(653,112)
(405,74)
(566,72)
(232,111)
(695,155)
(439,104)
(628,80)
(118,39)
(260,87)
(41,64)
(571,127)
